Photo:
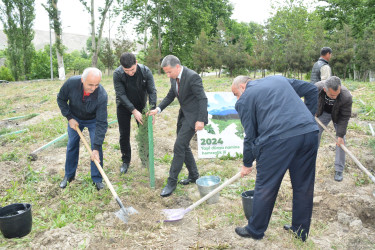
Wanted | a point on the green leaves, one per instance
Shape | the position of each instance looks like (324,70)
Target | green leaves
(18,18)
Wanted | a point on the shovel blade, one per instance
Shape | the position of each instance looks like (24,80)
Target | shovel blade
(174,214)
(123,214)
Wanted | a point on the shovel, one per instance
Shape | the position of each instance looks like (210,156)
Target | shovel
(123,213)
(178,214)
(348,152)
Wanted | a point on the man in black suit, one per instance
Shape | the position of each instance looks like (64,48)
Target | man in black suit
(187,86)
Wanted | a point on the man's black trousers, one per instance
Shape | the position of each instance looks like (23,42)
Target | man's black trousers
(182,153)
(124,118)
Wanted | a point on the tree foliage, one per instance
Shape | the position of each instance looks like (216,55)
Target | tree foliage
(202,53)
(107,56)
(41,68)
(153,56)
(122,44)
(358,14)
(18,17)
(355,19)
(6,74)
(177,23)
(204,37)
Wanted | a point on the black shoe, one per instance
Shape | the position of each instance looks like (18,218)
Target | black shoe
(99,185)
(338,176)
(241,231)
(124,168)
(167,190)
(65,181)
(188,181)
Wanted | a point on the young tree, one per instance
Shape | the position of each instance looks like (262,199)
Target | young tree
(40,67)
(6,74)
(235,57)
(202,53)
(54,16)
(121,44)
(18,17)
(103,15)
(365,55)
(153,56)
(107,56)
(342,43)
(259,59)
(217,48)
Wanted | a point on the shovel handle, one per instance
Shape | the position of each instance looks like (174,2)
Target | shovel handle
(98,165)
(213,192)
(359,164)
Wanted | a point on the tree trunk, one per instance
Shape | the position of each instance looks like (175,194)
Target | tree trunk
(159,38)
(96,46)
(145,29)
(60,63)
(58,36)
(94,59)
(372,76)
(365,75)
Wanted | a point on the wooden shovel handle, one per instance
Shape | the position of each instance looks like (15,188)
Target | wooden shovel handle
(97,164)
(346,150)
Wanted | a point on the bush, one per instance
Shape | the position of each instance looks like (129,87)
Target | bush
(6,74)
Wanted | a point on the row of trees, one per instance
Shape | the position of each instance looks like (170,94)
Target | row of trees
(18,17)
(74,62)
(289,42)
(204,37)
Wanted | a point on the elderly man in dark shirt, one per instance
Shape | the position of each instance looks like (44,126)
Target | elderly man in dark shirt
(281,134)
(83,101)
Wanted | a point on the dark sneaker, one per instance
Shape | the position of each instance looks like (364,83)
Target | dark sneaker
(124,168)
(65,181)
(338,176)
(99,185)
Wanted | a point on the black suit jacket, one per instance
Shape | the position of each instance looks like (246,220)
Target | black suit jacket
(192,98)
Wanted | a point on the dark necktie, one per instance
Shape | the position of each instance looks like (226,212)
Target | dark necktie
(178,86)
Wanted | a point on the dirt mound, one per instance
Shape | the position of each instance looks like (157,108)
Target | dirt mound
(68,237)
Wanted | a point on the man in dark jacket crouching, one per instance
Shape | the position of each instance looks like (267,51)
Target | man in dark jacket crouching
(335,103)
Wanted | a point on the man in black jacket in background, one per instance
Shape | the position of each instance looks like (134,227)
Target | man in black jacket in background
(132,83)
(83,101)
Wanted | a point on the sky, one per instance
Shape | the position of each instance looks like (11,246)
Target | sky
(251,10)
(75,19)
